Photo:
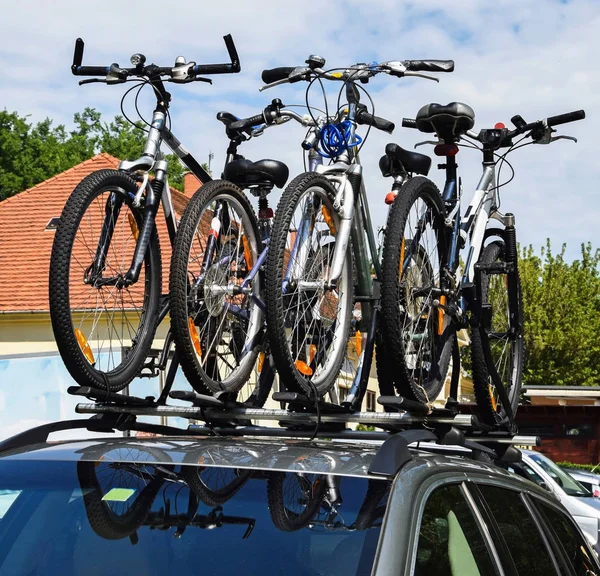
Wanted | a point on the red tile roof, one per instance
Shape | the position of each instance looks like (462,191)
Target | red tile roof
(25,245)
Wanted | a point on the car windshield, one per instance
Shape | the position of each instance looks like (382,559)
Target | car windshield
(566,482)
(73,518)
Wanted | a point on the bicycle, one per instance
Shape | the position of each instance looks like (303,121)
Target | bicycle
(216,278)
(316,258)
(105,268)
(426,298)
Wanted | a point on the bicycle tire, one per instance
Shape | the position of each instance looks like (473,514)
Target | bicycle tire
(321,365)
(423,380)
(101,517)
(212,496)
(282,516)
(490,409)
(201,360)
(63,289)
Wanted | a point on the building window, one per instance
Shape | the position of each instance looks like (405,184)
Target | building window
(580,430)
(370,401)
(343,392)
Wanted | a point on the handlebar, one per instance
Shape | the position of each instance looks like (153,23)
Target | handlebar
(180,72)
(290,74)
(409,123)
(244,123)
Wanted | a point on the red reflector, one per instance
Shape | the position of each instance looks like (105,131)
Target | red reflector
(390,197)
(446,150)
(596,493)
(499,126)
(265,213)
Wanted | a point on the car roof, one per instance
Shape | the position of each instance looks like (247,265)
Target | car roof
(344,458)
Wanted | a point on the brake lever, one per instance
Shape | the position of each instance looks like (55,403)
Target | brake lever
(409,73)
(563,137)
(90,81)
(433,142)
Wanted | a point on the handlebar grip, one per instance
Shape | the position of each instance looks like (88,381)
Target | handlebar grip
(247,122)
(363,117)
(233,55)
(409,123)
(91,70)
(275,74)
(564,118)
(429,65)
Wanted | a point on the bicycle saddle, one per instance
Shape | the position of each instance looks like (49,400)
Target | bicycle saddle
(448,122)
(246,173)
(398,161)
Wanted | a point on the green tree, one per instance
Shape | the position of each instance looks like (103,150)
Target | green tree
(562,317)
(30,154)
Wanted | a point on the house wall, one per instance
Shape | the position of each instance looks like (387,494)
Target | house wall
(556,426)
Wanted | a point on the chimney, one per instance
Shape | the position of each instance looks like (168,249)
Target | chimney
(190,184)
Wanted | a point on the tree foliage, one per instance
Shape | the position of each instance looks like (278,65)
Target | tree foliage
(30,154)
(562,317)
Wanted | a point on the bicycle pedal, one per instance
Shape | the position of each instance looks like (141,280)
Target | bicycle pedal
(149,369)
(402,403)
(494,268)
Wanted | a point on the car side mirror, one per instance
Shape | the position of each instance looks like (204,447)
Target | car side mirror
(545,486)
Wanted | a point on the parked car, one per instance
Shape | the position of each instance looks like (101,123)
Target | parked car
(586,479)
(230,505)
(575,498)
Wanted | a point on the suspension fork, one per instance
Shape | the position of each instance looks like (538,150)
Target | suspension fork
(153,199)
(111,212)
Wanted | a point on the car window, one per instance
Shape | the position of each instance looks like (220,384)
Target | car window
(450,542)
(524,542)
(569,538)
(566,482)
(533,475)
(7,498)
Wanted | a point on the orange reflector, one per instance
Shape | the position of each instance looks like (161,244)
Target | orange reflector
(440,329)
(358,341)
(401,259)
(506,280)
(328,219)
(247,252)
(85,347)
(303,368)
(390,197)
(494,403)
(261,361)
(194,336)
(313,352)
(133,225)
(499,125)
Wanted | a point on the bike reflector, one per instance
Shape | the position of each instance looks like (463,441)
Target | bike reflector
(85,347)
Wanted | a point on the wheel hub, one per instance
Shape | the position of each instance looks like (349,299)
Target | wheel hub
(214,292)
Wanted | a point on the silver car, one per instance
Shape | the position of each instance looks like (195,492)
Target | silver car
(586,479)
(229,505)
(575,498)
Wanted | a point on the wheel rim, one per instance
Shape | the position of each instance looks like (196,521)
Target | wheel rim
(419,271)
(314,315)
(227,323)
(106,319)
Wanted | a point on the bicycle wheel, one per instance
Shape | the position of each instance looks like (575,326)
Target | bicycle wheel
(217,324)
(215,485)
(502,339)
(103,332)
(294,499)
(308,322)
(118,495)
(417,333)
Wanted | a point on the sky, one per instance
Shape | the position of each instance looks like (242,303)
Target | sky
(529,57)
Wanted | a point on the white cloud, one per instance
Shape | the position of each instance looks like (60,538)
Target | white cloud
(512,57)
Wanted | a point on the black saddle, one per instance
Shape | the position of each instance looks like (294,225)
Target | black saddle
(246,173)
(398,161)
(448,122)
